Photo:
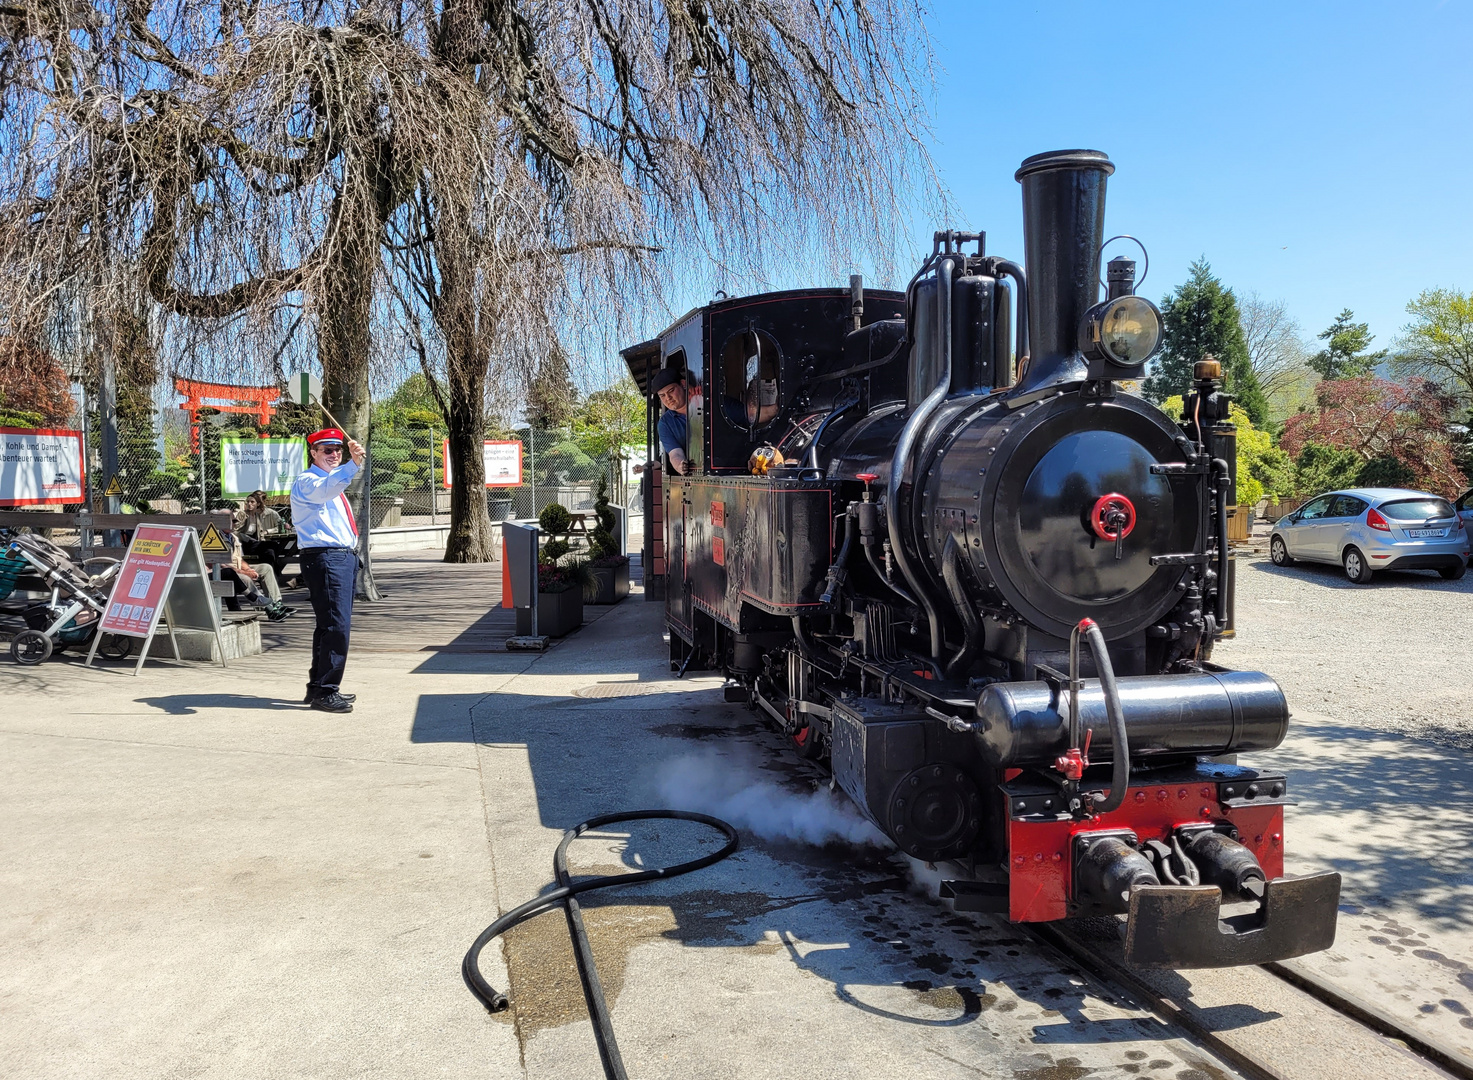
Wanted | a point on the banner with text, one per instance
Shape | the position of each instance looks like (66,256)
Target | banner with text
(269,465)
(40,467)
(502,458)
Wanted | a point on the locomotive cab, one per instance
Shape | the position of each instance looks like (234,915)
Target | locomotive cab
(981,579)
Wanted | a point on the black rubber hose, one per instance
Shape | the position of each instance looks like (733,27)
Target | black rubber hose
(838,571)
(1120,766)
(566,893)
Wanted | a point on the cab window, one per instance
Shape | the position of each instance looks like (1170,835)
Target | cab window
(750,366)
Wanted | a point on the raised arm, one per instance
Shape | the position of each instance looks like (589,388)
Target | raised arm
(314,488)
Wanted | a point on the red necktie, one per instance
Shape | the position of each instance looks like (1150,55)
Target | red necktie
(349,511)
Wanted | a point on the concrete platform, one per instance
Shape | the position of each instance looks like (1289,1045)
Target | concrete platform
(201,877)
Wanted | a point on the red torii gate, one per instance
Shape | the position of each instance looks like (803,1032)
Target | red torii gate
(262,400)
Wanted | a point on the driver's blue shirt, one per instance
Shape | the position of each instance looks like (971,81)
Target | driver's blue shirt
(320,511)
(672,431)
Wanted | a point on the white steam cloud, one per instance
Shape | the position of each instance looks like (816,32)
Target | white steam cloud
(733,789)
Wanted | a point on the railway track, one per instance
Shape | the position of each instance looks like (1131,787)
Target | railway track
(1095,957)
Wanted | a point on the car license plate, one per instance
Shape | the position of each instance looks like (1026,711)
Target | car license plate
(1426,532)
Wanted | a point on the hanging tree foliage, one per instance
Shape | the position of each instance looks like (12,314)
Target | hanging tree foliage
(468,185)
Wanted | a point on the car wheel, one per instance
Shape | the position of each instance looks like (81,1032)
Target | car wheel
(1356,567)
(1454,573)
(1278,552)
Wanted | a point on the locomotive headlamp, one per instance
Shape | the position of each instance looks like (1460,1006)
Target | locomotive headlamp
(1125,332)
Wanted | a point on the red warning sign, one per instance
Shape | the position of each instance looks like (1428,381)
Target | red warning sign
(148,568)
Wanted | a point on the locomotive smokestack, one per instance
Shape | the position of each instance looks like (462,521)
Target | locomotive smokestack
(1063,229)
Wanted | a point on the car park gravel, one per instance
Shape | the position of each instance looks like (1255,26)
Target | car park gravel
(1395,655)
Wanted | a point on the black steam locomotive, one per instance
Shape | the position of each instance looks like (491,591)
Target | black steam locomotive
(933,540)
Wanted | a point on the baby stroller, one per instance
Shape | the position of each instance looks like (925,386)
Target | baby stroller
(69,616)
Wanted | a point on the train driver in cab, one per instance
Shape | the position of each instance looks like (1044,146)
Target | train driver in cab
(669,387)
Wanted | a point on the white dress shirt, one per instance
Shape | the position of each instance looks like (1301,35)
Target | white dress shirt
(320,511)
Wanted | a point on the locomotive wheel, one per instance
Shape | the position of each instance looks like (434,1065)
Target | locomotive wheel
(1279,553)
(30,647)
(808,743)
(1357,569)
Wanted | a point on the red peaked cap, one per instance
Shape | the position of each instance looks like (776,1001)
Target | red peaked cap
(327,435)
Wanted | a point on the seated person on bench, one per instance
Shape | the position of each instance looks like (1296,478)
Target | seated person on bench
(259,581)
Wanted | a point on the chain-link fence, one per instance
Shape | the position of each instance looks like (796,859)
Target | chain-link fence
(166,462)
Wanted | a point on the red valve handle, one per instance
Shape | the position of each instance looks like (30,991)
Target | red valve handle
(1103,505)
(867,477)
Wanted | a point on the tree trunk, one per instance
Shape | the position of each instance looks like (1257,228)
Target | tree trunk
(343,341)
(463,316)
(471,536)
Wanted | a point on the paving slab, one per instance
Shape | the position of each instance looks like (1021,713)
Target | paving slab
(200,877)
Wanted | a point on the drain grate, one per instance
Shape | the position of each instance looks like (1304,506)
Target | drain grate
(618,689)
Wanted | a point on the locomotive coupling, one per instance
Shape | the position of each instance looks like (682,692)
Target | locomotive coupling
(1182,926)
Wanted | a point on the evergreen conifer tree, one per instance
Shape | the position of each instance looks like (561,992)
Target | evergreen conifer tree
(1347,354)
(1200,319)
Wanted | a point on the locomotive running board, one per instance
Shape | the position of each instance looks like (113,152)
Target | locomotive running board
(1180,926)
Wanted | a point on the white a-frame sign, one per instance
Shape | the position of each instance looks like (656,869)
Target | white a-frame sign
(163,576)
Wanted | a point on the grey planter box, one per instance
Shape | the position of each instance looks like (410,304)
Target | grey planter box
(386,513)
(613,583)
(498,507)
(557,614)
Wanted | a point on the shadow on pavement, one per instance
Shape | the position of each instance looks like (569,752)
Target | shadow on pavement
(1361,798)
(191,704)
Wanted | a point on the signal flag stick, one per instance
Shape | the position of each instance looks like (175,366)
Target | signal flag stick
(331,417)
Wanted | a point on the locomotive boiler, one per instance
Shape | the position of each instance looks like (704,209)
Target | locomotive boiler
(936,538)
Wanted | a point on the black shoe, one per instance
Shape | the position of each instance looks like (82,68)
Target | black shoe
(278,611)
(311,697)
(335,703)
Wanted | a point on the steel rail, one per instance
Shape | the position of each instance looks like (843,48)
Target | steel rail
(1361,1012)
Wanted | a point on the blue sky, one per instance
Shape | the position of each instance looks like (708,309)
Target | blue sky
(1317,153)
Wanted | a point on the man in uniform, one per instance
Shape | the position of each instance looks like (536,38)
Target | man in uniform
(327,544)
(669,387)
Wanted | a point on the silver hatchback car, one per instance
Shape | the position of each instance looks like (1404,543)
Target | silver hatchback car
(1370,529)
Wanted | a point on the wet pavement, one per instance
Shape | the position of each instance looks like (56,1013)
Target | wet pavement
(199,877)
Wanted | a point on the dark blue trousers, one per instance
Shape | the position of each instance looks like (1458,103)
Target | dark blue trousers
(330,574)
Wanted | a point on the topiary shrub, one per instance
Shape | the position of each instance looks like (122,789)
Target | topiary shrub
(603,549)
(555,519)
(555,549)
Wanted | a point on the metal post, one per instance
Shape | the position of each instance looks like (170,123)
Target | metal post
(86,534)
(204,499)
(434,494)
(113,503)
(366,588)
